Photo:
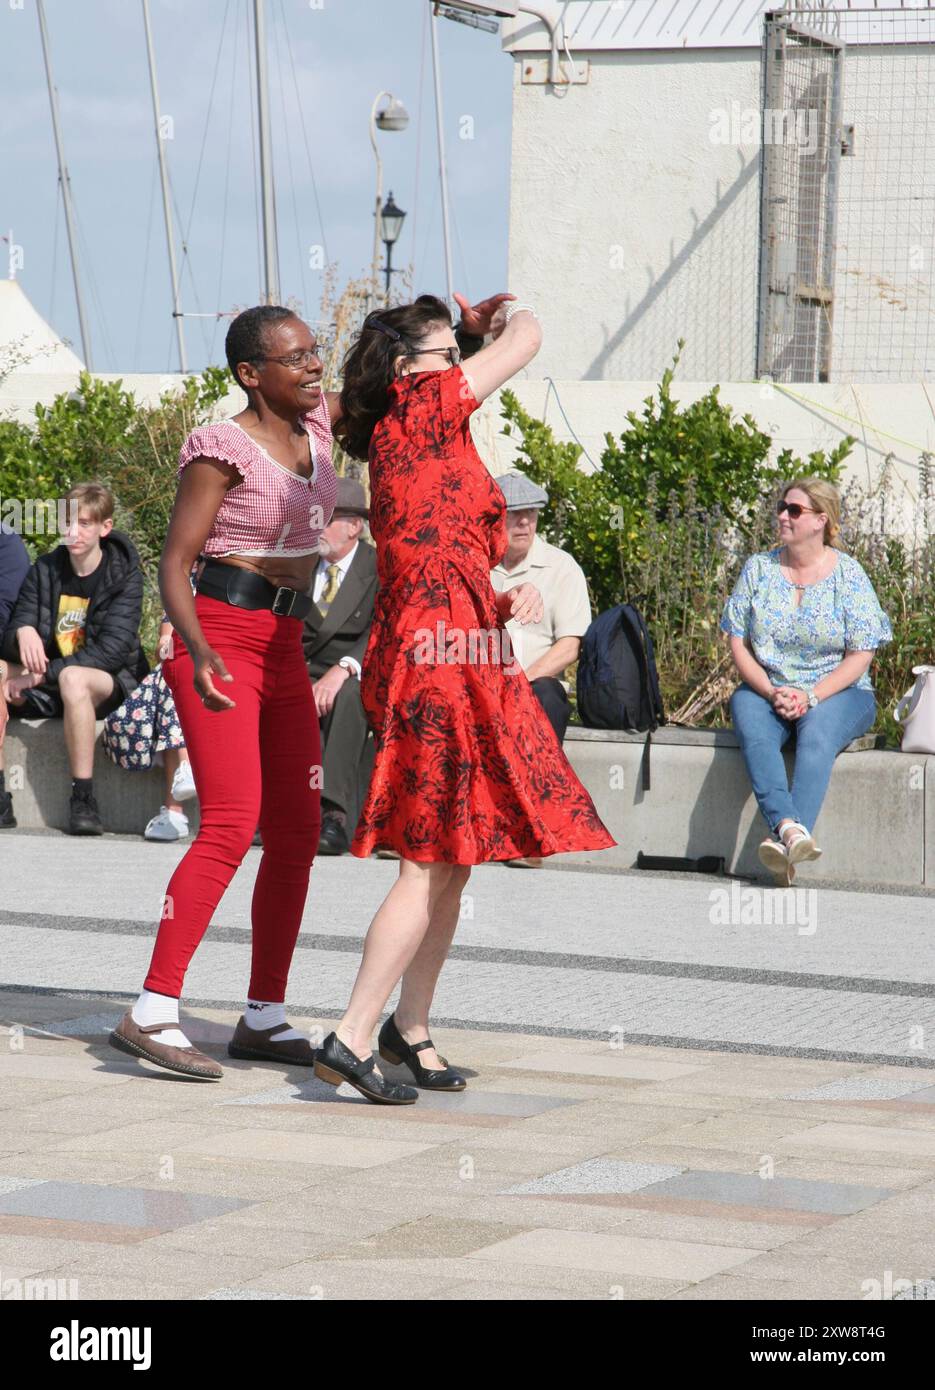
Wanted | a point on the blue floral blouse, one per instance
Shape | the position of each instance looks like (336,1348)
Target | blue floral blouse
(801,645)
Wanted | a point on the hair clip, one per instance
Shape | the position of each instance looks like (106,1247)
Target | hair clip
(384,328)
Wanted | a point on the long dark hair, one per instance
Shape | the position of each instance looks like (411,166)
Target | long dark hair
(368,368)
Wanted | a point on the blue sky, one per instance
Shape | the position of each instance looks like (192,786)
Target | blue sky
(344,52)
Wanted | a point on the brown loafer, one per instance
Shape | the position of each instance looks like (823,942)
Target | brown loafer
(188,1061)
(260,1045)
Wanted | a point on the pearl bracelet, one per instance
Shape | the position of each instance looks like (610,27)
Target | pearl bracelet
(514,308)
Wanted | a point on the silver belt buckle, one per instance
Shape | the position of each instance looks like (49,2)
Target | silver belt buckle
(285,612)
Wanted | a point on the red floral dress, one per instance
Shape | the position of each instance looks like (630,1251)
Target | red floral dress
(468,768)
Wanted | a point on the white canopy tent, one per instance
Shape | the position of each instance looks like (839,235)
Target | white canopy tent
(27,343)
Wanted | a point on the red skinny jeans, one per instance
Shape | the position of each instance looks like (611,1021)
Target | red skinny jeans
(255,764)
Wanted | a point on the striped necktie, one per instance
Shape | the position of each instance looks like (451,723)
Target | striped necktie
(332,585)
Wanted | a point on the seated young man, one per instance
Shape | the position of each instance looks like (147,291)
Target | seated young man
(71,647)
(14,566)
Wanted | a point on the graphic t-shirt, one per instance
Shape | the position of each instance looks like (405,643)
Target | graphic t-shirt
(72,619)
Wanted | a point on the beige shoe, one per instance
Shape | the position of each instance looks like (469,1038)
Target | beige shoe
(799,844)
(260,1045)
(530,861)
(775,857)
(188,1061)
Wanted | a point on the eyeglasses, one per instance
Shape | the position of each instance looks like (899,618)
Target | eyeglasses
(295,360)
(795,509)
(452,353)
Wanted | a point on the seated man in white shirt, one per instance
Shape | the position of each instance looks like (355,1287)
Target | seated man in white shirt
(543,649)
(335,640)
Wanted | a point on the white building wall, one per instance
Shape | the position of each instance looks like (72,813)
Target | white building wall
(633,222)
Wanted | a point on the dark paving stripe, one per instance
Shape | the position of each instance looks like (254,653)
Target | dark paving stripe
(623,965)
(334,1011)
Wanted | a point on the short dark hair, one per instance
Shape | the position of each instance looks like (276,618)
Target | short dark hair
(369,366)
(246,337)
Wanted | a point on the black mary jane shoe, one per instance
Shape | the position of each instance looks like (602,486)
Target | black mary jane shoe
(394,1048)
(336,1063)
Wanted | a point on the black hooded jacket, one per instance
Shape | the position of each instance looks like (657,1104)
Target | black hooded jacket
(112,634)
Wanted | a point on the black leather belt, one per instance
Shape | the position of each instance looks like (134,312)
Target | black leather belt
(245,589)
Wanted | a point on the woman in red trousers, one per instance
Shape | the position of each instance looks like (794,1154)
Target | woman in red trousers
(254,494)
(468,769)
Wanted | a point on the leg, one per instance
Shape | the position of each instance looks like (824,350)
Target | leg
(820,736)
(762,733)
(290,821)
(229,792)
(421,977)
(551,695)
(395,936)
(344,732)
(82,689)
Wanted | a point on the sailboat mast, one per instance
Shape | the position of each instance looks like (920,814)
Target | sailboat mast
(442,167)
(270,240)
(66,189)
(164,179)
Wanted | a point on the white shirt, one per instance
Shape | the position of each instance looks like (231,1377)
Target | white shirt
(564,589)
(321,580)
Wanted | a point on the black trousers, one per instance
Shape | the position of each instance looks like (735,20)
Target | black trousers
(344,732)
(551,695)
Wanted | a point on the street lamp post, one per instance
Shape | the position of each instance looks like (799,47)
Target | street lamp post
(394,116)
(391,224)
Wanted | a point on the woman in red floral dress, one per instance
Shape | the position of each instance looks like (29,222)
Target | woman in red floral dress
(468,769)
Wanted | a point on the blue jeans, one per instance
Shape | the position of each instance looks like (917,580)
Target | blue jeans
(820,735)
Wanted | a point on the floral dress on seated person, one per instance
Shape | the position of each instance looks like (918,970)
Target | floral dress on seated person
(800,644)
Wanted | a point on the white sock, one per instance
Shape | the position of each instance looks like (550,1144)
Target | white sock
(159,1008)
(261,1015)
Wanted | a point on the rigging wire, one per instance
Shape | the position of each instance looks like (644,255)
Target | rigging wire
(415,194)
(185,227)
(288,144)
(257,225)
(149,231)
(92,281)
(51,315)
(227,179)
(308,151)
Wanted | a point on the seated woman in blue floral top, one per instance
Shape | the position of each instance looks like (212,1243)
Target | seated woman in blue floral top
(804,623)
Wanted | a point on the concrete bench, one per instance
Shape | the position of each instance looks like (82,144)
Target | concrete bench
(699,802)
(871,827)
(37,774)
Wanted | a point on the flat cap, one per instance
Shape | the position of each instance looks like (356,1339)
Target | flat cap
(520,491)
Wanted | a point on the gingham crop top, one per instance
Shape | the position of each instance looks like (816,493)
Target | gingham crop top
(273,511)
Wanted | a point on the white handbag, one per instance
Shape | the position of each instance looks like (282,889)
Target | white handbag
(916,713)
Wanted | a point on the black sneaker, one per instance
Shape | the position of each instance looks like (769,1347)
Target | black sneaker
(7,818)
(83,816)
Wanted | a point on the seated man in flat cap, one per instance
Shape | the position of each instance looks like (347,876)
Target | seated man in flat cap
(334,641)
(543,649)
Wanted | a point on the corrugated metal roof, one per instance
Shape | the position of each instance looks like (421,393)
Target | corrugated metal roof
(628,24)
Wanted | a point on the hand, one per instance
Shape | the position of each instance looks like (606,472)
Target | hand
(16,685)
(32,650)
(524,603)
(326,688)
(477,319)
(789,702)
(207,664)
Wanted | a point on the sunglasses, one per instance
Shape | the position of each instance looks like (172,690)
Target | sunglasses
(452,353)
(795,509)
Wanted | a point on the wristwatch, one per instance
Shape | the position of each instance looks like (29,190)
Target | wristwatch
(349,665)
(812,698)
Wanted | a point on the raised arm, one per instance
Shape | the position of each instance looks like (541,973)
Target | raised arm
(515,344)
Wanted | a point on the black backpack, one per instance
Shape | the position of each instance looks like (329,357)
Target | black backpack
(618,685)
